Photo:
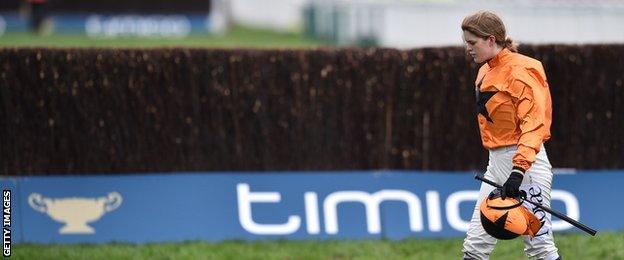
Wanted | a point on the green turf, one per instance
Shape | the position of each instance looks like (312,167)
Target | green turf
(572,246)
(235,37)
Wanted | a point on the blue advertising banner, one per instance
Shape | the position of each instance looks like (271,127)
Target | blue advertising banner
(11,22)
(111,26)
(284,205)
(108,26)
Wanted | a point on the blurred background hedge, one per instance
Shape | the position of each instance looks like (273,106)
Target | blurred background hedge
(84,111)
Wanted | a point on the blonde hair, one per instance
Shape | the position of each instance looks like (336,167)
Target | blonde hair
(485,24)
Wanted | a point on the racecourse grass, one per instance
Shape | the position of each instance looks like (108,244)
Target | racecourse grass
(571,246)
(236,37)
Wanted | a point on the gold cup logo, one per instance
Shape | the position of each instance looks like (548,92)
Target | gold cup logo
(75,212)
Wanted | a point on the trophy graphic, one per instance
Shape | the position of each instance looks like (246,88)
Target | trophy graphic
(75,212)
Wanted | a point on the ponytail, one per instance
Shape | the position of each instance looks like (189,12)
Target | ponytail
(510,44)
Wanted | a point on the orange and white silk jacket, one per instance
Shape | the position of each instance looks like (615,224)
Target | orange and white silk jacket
(514,105)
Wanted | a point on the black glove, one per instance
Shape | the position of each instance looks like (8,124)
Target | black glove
(511,188)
